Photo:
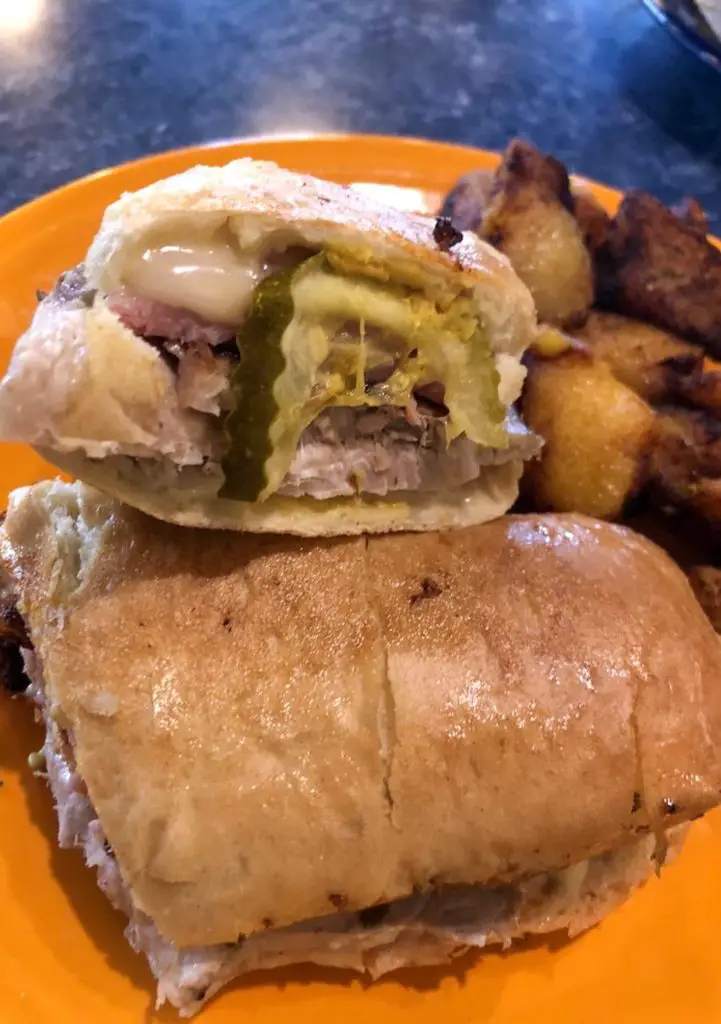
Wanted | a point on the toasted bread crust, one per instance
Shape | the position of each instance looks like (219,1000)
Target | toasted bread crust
(258,200)
(384,714)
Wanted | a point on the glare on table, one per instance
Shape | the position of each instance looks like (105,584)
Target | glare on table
(19,16)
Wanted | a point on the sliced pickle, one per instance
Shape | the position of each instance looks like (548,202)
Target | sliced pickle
(467,369)
(295,361)
(271,387)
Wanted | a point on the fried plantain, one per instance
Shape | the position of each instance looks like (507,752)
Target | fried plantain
(657,365)
(692,213)
(465,204)
(592,218)
(597,433)
(659,267)
(530,217)
(591,391)
(690,382)
(685,462)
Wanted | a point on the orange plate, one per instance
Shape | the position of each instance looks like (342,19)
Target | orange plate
(63,958)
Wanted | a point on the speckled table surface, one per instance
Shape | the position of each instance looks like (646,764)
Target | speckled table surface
(88,83)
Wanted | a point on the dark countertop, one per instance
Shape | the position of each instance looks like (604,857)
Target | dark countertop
(596,82)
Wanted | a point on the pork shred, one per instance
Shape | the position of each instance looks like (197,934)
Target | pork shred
(203,377)
(345,452)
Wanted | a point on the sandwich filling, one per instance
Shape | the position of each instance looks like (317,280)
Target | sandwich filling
(425,928)
(311,374)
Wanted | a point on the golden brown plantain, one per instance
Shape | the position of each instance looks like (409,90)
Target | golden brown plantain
(465,204)
(597,433)
(530,217)
(592,218)
(685,462)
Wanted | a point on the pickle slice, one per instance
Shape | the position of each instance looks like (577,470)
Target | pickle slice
(290,369)
(252,427)
(296,358)
(468,371)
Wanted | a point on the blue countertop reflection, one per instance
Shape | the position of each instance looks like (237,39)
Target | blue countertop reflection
(87,83)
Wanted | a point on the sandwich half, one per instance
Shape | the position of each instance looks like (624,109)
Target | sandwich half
(248,348)
(358,753)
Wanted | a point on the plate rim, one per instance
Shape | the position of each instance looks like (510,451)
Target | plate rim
(149,159)
(609,195)
(417,142)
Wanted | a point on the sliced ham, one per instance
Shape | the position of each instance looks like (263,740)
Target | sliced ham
(157,320)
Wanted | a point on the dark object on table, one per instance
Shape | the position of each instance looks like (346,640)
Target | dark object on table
(686,22)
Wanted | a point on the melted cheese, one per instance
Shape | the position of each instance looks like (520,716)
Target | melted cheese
(210,279)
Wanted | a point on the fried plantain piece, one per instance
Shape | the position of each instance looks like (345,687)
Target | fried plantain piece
(685,462)
(635,352)
(530,217)
(692,213)
(597,433)
(594,222)
(692,438)
(658,267)
(657,365)
(465,204)
(690,382)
